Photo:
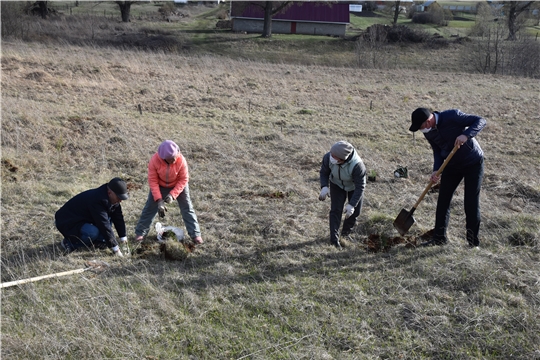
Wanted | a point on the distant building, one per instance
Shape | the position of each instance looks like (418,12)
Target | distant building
(383,4)
(460,8)
(355,8)
(454,7)
(310,18)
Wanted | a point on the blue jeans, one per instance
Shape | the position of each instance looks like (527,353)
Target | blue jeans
(89,237)
(450,179)
(186,208)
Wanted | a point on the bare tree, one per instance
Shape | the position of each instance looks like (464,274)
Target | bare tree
(370,48)
(271,8)
(43,9)
(486,54)
(491,53)
(125,9)
(515,11)
(397,10)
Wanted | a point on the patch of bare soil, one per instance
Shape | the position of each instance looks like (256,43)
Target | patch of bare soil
(379,243)
(169,250)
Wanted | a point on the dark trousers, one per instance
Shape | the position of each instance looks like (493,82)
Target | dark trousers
(338,196)
(450,179)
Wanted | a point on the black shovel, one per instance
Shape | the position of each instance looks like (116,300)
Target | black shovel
(405,219)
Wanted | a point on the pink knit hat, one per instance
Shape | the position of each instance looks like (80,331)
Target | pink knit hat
(168,149)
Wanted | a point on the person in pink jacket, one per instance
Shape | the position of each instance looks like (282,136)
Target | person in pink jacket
(168,178)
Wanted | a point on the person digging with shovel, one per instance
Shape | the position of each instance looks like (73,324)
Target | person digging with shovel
(444,130)
(86,220)
(168,178)
(342,177)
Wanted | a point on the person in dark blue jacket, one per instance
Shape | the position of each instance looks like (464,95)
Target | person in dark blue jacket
(85,220)
(444,130)
(342,177)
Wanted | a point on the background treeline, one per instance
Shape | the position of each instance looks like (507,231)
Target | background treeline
(492,42)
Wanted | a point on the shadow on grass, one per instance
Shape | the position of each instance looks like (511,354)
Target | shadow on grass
(257,265)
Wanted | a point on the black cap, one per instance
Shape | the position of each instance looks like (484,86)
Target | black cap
(419,116)
(119,187)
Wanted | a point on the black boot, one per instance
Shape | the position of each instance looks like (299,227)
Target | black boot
(434,242)
(336,243)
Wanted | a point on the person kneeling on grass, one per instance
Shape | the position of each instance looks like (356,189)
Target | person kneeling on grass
(86,220)
(342,177)
(168,178)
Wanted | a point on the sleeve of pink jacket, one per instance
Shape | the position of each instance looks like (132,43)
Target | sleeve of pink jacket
(182,177)
(153,177)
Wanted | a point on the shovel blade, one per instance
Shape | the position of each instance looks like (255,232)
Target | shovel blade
(404,221)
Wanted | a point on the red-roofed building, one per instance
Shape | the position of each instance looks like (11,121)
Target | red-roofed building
(312,18)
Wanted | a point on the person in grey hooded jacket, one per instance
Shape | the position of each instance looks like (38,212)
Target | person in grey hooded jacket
(342,177)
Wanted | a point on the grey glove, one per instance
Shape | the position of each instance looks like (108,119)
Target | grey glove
(169,199)
(325,192)
(161,208)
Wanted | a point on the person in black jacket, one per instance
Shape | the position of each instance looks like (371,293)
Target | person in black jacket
(444,130)
(342,176)
(85,220)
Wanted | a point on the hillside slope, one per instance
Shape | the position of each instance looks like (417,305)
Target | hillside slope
(266,284)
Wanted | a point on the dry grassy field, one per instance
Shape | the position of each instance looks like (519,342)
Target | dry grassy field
(266,284)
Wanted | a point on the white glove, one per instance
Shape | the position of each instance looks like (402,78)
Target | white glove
(349,210)
(168,199)
(122,242)
(325,191)
(116,251)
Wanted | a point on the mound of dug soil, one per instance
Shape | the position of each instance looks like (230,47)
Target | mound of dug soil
(169,249)
(378,243)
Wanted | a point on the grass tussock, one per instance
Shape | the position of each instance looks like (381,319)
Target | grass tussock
(266,283)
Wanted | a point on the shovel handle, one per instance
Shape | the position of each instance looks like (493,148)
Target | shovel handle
(37,278)
(436,174)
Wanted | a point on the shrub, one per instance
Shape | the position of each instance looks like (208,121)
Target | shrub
(429,18)
(402,33)
(493,55)
(435,15)
(437,42)
(522,58)
(422,18)
(168,8)
(370,6)
(376,33)
(12,13)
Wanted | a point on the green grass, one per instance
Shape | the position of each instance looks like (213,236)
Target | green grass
(107,8)
(363,22)
(460,24)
